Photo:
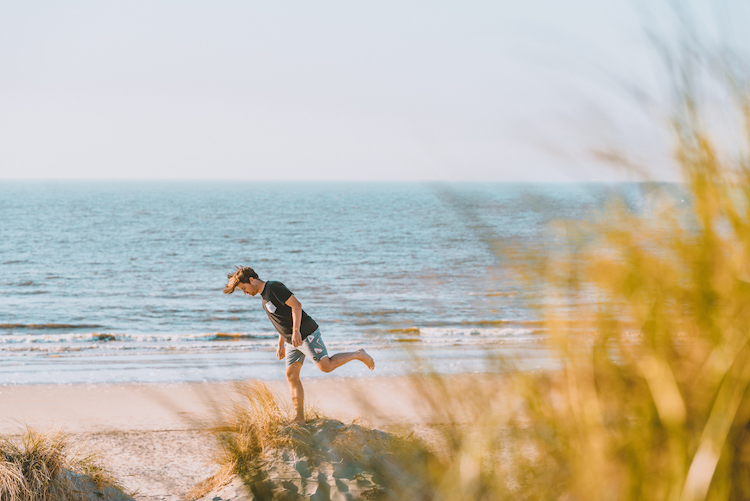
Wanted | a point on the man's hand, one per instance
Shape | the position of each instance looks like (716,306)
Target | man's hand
(280,351)
(296,339)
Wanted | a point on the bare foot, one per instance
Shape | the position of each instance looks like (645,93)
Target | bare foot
(298,422)
(367,359)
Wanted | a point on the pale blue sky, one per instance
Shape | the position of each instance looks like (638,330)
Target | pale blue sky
(329,90)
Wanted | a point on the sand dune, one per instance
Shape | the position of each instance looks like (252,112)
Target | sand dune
(148,433)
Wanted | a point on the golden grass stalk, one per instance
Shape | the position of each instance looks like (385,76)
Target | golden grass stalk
(254,421)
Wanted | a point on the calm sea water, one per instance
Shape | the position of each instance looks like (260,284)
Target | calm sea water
(122,281)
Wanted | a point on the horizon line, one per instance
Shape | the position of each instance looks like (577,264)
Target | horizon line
(362,181)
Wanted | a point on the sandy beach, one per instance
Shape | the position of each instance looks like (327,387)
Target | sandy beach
(148,434)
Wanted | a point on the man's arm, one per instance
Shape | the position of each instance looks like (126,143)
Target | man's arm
(280,351)
(296,307)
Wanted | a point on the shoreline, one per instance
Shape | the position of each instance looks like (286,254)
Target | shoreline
(176,368)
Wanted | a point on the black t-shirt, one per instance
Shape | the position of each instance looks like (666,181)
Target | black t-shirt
(275,295)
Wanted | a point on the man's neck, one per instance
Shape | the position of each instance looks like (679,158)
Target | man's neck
(262,286)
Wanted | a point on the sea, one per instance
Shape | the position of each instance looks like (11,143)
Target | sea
(121,281)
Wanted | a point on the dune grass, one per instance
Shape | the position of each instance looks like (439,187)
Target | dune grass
(256,420)
(653,398)
(40,466)
(252,422)
(648,312)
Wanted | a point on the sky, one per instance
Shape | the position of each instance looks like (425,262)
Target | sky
(329,90)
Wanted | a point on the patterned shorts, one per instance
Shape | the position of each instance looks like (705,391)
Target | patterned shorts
(312,346)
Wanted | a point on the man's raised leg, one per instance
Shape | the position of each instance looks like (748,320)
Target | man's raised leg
(327,364)
(298,393)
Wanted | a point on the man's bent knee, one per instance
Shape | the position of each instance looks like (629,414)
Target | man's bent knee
(325,364)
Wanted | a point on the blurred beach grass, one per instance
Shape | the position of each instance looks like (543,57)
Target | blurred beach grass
(648,312)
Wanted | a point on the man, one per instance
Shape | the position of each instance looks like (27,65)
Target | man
(295,328)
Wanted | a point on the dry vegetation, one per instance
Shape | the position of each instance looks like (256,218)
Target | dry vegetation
(649,314)
(37,466)
(255,421)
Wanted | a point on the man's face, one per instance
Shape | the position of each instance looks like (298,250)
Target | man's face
(248,288)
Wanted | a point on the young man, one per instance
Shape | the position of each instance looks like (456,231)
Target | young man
(296,328)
